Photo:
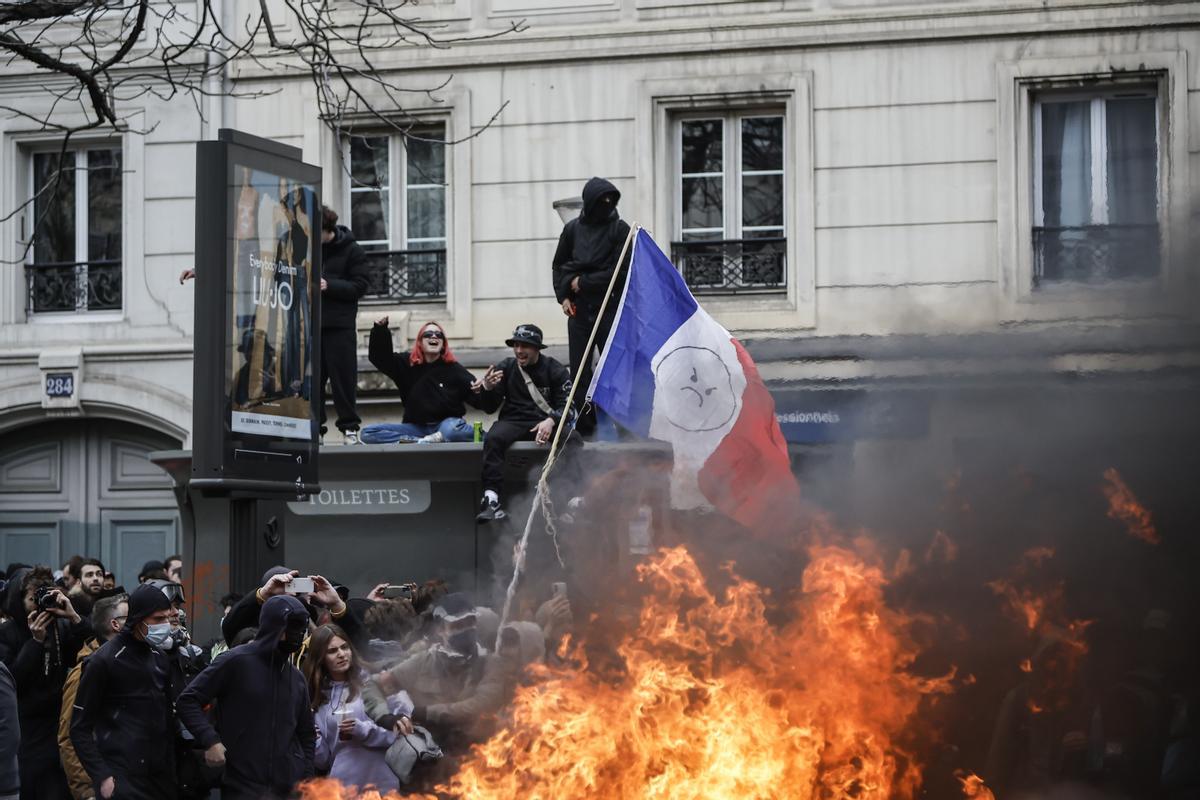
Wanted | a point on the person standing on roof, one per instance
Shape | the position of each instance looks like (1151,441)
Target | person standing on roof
(587,255)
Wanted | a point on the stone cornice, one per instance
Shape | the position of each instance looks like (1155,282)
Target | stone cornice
(673,37)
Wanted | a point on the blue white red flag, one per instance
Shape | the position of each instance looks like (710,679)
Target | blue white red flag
(673,373)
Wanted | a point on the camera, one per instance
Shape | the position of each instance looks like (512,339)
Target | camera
(45,599)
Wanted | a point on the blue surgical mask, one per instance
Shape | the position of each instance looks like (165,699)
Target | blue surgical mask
(159,635)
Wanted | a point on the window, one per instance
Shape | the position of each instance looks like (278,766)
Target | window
(76,224)
(1096,186)
(398,211)
(731,206)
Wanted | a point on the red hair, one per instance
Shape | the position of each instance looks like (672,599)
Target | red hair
(418,357)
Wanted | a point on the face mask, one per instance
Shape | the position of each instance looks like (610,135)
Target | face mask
(463,642)
(292,640)
(159,636)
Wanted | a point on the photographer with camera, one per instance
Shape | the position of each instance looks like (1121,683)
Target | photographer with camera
(38,644)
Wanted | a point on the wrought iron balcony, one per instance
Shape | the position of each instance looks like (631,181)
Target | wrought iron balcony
(76,287)
(732,266)
(1095,253)
(399,276)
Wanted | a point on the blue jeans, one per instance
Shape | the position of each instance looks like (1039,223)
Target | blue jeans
(454,429)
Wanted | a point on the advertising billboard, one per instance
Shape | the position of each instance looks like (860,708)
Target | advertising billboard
(258,273)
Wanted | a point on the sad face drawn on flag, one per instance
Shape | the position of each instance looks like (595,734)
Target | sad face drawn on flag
(697,389)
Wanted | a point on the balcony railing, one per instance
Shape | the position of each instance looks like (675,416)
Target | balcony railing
(75,287)
(1092,253)
(399,276)
(732,266)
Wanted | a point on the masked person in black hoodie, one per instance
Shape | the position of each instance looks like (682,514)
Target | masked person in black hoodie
(531,391)
(588,250)
(344,279)
(264,733)
(123,725)
(38,644)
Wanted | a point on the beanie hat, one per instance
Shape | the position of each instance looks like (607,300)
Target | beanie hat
(143,602)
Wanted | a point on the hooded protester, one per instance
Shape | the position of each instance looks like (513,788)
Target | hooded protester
(344,279)
(123,724)
(39,648)
(434,387)
(263,732)
(588,250)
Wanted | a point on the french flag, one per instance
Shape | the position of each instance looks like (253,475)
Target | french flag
(673,373)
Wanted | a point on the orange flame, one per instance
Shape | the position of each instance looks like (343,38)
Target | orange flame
(1026,665)
(972,786)
(715,700)
(330,789)
(1123,506)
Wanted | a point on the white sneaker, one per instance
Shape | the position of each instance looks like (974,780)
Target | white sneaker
(433,438)
(350,437)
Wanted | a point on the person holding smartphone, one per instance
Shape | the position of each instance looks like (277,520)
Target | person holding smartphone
(279,581)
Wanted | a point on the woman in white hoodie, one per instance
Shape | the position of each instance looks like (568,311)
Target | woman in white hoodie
(350,746)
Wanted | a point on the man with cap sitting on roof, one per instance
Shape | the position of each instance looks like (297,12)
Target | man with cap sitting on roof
(531,390)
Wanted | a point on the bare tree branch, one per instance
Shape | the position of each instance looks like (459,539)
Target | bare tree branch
(113,53)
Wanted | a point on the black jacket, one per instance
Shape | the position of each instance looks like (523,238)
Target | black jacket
(263,716)
(551,379)
(123,724)
(589,247)
(10,734)
(39,670)
(344,268)
(431,392)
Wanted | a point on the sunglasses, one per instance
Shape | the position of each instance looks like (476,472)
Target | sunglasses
(433,335)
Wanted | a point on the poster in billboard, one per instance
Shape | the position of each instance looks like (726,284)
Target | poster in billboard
(258,317)
(270,355)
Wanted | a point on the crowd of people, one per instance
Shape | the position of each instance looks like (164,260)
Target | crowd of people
(104,694)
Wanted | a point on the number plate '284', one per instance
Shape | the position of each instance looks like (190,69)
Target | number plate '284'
(60,384)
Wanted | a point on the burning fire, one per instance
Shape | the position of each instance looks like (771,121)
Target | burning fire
(716,700)
(330,789)
(972,786)
(1123,506)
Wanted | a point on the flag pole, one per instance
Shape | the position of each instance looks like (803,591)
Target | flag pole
(541,496)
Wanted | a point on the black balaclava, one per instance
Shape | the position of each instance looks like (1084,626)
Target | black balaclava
(293,635)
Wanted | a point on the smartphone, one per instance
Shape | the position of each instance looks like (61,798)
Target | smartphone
(558,589)
(392,591)
(300,586)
